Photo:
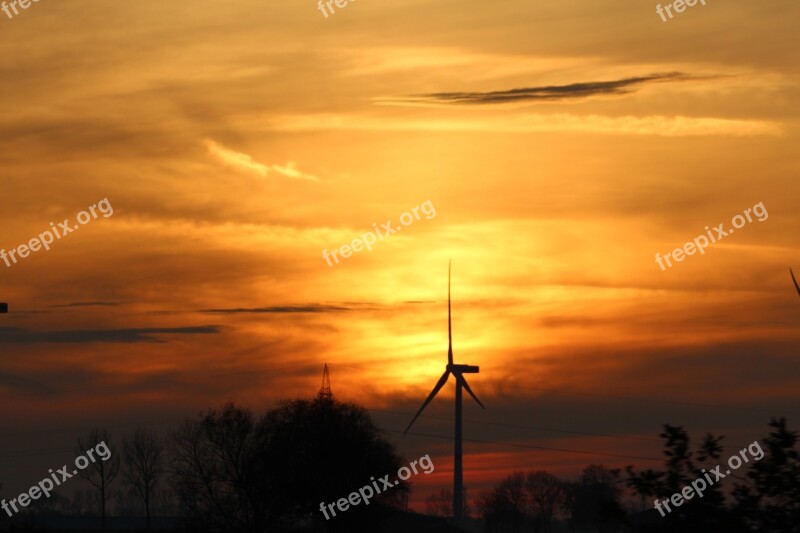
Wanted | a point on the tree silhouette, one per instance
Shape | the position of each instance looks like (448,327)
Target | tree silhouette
(683,466)
(320,451)
(769,500)
(233,473)
(212,470)
(100,473)
(440,504)
(143,465)
(505,507)
(595,499)
(647,484)
(546,496)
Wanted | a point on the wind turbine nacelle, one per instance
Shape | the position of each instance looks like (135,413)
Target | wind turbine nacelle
(464,369)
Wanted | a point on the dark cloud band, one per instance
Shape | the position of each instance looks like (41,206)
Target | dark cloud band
(550,92)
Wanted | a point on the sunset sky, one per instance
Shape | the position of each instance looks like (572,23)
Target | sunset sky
(562,145)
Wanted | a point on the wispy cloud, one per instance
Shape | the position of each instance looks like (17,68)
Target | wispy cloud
(87,304)
(675,126)
(470,63)
(247,163)
(133,335)
(547,92)
(308,308)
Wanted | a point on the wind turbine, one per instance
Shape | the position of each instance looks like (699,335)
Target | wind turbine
(458,372)
(795,281)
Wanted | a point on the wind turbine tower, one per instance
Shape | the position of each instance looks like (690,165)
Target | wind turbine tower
(458,372)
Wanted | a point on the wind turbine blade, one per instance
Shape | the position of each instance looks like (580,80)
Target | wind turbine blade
(464,384)
(436,389)
(449,327)
(795,281)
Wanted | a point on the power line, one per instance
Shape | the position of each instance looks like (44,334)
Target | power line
(30,453)
(501,424)
(530,446)
(674,402)
(49,451)
(84,429)
(173,379)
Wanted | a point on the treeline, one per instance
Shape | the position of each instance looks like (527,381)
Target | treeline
(761,495)
(229,470)
(129,479)
(539,501)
